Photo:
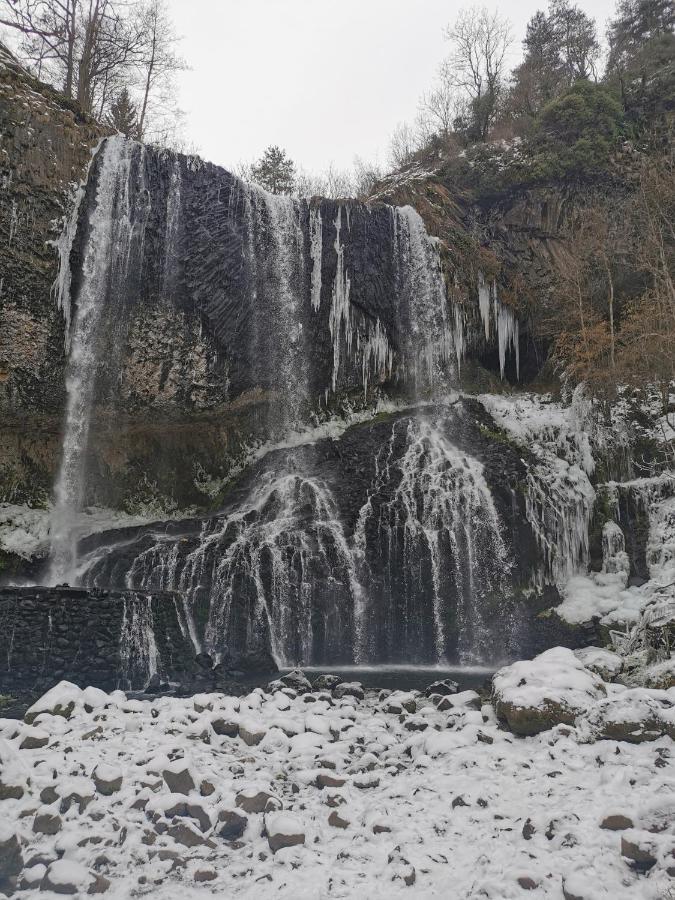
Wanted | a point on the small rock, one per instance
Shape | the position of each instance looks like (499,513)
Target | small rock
(349,689)
(326,682)
(442,688)
(616,822)
(47,823)
(459,801)
(178,779)
(206,788)
(205,875)
(379,828)
(34,740)
(99,885)
(66,877)
(11,858)
(283,830)
(528,830)
(108,779)
(251,734)
(185,835)
(225,727)
(254,803)
(639,849)
(324,780)
(527,883)
(337,822)
(48,796)
(233,824)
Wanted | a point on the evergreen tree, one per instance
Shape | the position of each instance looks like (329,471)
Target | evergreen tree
(123,116)
(274,171)
(561,46)
(642,49)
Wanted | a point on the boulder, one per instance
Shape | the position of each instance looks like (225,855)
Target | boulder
(225,727)
(186,835)
(552,689)
(283,830)
(59,701)
(296,680)
(635,716)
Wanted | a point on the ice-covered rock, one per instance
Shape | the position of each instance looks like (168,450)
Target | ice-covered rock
(605,663)
(551,689)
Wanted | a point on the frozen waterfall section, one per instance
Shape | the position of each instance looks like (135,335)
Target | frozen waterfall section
(305,304)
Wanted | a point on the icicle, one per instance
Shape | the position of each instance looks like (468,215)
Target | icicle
(316,253)
(340,311)
(484,298)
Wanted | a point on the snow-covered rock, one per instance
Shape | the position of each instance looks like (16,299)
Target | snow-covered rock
(552,689)
(59,701)
(605,663)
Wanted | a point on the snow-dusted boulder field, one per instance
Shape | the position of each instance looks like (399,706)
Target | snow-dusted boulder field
(309,792)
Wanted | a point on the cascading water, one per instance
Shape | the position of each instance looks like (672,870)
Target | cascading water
(431,541)
(279,566)
(138,647)
(300,308)
(107,253)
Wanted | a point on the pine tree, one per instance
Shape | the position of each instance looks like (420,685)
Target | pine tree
(123,116)
(274,171)
(642,49)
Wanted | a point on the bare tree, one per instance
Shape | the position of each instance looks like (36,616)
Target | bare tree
(158,57)
(438,107)
(403,144)
(477,65)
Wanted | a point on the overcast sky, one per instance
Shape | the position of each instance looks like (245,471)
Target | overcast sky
(325,79)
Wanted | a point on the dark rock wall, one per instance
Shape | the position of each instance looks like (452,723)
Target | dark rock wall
(101,638)
(45,148)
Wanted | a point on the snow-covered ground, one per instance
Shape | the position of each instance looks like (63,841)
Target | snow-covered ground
(324,795)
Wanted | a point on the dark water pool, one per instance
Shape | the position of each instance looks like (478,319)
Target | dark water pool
(405,678)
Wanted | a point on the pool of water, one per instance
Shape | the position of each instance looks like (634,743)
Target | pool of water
(404,678)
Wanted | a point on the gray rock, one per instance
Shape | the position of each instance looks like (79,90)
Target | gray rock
(326,682)
(34,741)
(639,850)
(296,680)
(11,857)
(186,835)
(47,823)
(337,822)
(442,688)
(178,782)
(616,822)
(349,689)
(257,803)
(107,782)
(225,727)
(231,824)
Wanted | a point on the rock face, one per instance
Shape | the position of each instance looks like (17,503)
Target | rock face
(46,144)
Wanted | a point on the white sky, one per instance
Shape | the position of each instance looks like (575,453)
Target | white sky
(325,79)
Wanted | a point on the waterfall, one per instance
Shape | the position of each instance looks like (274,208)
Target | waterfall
(431,341)
(137,646)
(107,251)
(296,301)
(431,534)
(280,565)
